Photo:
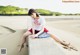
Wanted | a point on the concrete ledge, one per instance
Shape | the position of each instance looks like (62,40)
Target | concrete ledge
(44,46)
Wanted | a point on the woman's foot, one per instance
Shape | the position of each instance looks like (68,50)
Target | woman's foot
(21,46)
(73,48)
(68,46)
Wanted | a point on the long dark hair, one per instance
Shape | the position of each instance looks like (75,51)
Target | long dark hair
(32,11)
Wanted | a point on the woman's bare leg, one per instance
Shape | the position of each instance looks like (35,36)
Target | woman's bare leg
(65,45)
(23,39)
(58,40)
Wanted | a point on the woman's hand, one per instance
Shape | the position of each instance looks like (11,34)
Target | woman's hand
(33,36)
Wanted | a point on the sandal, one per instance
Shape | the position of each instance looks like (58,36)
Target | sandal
(69,47)
(65,44)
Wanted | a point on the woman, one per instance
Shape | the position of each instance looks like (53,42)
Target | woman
(38,26)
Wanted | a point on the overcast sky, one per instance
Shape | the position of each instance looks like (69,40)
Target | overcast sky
(53,5)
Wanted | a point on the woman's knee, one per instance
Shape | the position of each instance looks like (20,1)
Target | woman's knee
(26,34)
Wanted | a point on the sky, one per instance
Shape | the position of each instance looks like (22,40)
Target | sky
(53,5)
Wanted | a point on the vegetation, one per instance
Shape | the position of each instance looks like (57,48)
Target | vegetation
(12,10)
(44,12)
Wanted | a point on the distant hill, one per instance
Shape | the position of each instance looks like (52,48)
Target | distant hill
(44,12)
(12,10)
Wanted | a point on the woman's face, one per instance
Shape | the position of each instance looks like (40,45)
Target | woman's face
(33,15)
